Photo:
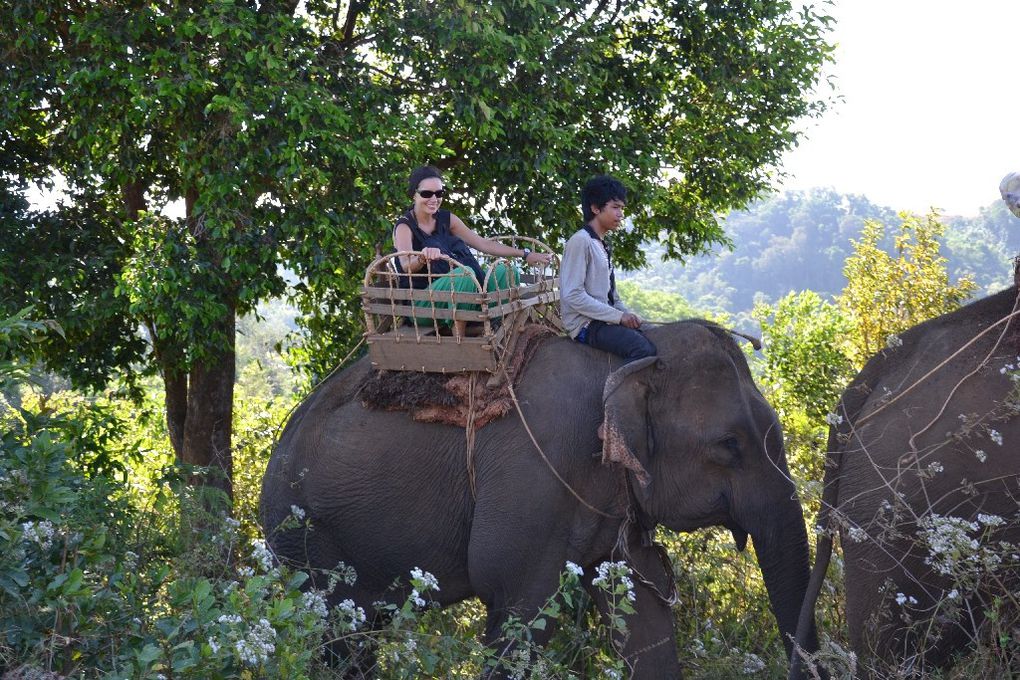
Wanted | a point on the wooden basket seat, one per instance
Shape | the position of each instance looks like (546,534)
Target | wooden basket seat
(403,336)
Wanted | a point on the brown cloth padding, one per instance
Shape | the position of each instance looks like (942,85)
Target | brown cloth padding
(438,398)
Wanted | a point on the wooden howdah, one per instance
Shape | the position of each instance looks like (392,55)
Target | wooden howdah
(403,336)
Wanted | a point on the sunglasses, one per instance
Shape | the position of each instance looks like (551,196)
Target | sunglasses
(425,193)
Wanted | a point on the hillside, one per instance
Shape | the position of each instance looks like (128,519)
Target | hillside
(799,240)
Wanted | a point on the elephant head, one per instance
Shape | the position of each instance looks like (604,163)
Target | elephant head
(703,448)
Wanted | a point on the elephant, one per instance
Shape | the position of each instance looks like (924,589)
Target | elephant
(688,442)
(922,476)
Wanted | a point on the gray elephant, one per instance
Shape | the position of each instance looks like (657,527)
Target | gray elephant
(689,443)
(921,485)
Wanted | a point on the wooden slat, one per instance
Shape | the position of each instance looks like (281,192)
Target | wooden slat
(423,312)
(433,354)
(376,294)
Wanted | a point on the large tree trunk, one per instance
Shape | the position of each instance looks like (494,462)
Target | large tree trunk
(175,385)
(207,428)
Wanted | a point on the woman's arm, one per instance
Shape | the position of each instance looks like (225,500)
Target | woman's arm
(468,236)
(402,240)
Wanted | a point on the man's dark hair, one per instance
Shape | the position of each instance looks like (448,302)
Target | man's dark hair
(420,174)
(598,191)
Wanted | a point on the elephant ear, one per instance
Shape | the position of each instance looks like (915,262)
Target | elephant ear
(624,428)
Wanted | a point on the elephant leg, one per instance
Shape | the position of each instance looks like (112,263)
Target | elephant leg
(648,645)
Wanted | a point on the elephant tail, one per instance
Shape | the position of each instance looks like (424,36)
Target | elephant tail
(806,633)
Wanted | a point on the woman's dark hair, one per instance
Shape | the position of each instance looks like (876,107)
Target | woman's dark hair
(418,175)
(598,191)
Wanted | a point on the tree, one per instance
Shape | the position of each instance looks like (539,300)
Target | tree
(285,129)
(805,365)
(886,294)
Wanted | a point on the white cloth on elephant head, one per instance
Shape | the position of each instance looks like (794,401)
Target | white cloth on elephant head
(1009,189)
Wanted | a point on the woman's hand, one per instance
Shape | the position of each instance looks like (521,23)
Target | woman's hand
(429,254)
(538,258)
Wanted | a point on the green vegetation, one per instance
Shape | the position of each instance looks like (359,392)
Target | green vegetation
(141,352)
(283,132)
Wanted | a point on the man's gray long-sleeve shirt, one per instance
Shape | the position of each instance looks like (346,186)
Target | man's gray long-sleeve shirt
(585,284)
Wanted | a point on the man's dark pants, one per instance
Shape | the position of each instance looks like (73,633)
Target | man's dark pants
(626,342)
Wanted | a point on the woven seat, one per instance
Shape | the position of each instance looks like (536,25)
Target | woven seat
(403,336)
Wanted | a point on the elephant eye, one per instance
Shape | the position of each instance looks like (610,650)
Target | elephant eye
(727,451)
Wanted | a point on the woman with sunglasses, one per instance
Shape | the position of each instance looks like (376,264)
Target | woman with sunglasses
(433,233)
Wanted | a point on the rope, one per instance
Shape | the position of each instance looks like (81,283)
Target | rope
(980,365)
(469,436)
(945,361)
(538,447)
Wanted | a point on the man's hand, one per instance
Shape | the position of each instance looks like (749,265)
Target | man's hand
(630,320)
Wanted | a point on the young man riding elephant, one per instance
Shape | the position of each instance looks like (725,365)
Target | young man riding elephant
(589,304)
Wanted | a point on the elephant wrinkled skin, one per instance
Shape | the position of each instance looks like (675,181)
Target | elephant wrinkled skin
(688,432)
(929,433)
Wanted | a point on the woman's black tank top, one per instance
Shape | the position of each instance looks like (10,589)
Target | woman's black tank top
(441,238)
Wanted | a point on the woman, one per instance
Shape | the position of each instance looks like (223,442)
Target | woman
(432,233)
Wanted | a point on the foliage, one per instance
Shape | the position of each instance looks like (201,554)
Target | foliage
(655,305)
(805,367)
(886,295)
(282,130)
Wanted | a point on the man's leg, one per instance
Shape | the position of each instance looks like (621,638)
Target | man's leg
(626,342)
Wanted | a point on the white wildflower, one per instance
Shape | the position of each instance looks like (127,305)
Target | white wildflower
(262,555)
(935,467)
(213,645)
(608,572)
(229,619)
(258,645)
(423,580)
(574,569)
(857,534)
(995,436)
(949,544)
(351,616)
(297,511)
(902,599)
(416,598)
(753,664)
(245,572)
(990,520)
(833,419)
(981,455)
(40,533)
(410,644)
(953,594)
(313,600)
(893,341)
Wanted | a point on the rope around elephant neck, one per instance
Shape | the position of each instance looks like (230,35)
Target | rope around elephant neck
(629,518)
(538,447)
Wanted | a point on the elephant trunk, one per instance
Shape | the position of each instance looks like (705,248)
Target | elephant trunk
(780,542)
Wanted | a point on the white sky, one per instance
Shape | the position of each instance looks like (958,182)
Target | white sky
(932,105)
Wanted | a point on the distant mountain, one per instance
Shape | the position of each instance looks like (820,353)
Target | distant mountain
(799,240)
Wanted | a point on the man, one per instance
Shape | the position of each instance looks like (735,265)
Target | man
(589,304)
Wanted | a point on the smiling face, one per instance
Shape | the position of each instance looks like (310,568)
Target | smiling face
(428,205)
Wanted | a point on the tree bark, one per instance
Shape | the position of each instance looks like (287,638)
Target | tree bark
(210,401)
(175,386)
